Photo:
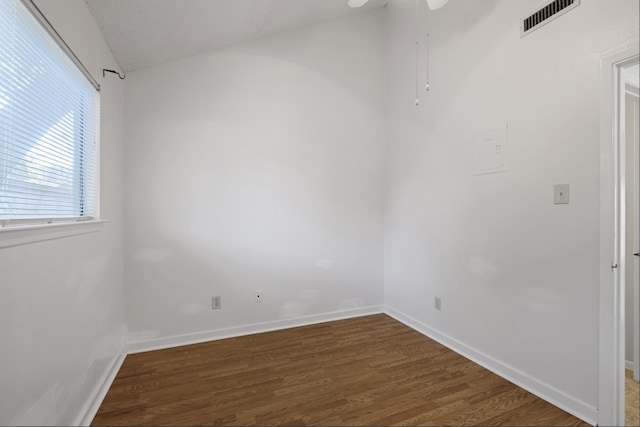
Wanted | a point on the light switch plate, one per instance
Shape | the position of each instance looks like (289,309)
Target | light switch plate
(561,194)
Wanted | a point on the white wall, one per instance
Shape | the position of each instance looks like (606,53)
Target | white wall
(518,275)
(257,167)
(61,300)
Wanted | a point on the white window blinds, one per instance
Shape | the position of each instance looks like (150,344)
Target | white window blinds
(49,126)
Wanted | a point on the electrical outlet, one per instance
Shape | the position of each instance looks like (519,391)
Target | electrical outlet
(216,303)
(438,304)
(258,296)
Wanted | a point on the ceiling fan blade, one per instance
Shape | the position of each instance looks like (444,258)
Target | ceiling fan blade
(436,4)
(357,3)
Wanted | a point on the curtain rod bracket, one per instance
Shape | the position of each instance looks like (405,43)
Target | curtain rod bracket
(104,71)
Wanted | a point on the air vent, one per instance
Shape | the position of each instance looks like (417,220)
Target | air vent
(546,14)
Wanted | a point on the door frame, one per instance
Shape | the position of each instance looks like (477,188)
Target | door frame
(611,360)
(633,93)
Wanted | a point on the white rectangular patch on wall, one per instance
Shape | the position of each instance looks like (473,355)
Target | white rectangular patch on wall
(490,152)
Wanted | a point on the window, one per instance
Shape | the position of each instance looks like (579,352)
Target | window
(49,126)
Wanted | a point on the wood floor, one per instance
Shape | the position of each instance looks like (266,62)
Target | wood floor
(632,400)
(366,371)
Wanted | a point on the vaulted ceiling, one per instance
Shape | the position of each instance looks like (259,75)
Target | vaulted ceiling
(142,33)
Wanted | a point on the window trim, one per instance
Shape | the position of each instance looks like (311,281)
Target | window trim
(22,234)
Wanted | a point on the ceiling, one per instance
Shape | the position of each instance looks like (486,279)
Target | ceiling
(142,33)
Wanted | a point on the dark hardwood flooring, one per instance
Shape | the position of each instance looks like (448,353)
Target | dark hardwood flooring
(365,371)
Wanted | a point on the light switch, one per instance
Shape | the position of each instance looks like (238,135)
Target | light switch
(561,194)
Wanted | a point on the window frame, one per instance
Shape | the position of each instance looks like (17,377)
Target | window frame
(17,231)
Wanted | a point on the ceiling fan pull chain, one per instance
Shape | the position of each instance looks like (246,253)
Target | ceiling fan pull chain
(417,52)
(428,85)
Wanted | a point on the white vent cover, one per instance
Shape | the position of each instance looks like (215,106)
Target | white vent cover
(545,14)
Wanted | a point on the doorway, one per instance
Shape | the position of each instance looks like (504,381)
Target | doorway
(630,137)
(617,234)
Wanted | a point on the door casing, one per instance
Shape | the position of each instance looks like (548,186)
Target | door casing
(612,231)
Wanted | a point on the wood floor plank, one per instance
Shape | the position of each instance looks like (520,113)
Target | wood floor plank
(632,400)
(370,370)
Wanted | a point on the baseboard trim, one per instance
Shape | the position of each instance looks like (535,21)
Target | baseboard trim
(93,403)
(256,328)
(628,364)
(544,391)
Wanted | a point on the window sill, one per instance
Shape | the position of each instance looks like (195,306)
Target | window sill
(23,235)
